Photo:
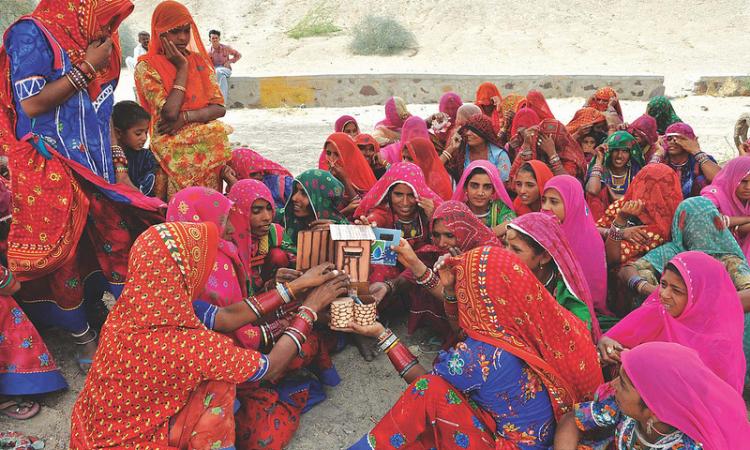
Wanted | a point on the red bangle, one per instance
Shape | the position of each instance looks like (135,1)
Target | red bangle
(301,325)
(268,302)
(401,358)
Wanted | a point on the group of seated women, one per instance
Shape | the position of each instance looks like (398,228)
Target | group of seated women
(577,307)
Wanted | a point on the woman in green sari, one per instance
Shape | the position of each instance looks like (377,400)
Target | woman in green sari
(315,200)
(660,108)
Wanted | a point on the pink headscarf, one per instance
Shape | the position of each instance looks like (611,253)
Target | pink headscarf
(449,104)
(393,120)
(342,121)
(546,231)
(682,392)
(414,127)
(647,126)
(243,195)
(491,171)
(225,285)
(584,238)
(712,322)
(246,162)
(722,189)
(399,173)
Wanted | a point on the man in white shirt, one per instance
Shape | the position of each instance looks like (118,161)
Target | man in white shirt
(143,40)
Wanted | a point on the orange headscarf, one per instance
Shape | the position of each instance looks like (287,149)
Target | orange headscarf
(167,16)
(485,92)
(500,302)
(583,117)
(423,153)
(600,100)
(542,173)
(353,162)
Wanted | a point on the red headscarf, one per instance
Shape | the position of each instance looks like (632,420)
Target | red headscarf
(600,100)
(169,15)
(367,139)
(400,173)
(485,92)
(449,104)
(536,101)
(247,162)
(646,126)
(154,352)
(585,117)
(568,149)
(353,162)
(524,118)
(423,153)
(470,232)
(542,174)
(500,302)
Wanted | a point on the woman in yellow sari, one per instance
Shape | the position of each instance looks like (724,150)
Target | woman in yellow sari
(177,85)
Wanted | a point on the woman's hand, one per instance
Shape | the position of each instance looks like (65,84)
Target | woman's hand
(631,208)
(427,205)
(170,127)
(609,350)
(447,277)
(316,276)
(373,331)
(285,275)
(322,296)
(98,53)
(405,252)
(11,288)
(363,220)
(351,207)
(689,145)
(174,55)
(228,174)
(637,235)
(321,224)
(379,290)
(601,152)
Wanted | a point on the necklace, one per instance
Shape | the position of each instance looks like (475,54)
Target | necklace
(551,277)
(665,442)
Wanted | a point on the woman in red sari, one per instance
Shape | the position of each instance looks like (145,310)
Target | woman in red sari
(161,379)
(490,100)
(518,370)
(247,163)
(421,152)
(551,143)
(349,166)
(529,186)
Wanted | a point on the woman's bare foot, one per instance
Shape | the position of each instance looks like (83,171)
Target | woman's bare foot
(86,348)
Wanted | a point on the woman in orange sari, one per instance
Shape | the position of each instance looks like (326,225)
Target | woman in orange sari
(176,84)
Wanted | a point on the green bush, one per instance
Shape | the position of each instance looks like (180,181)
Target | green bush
(10,10)
(377,35)
(318,21)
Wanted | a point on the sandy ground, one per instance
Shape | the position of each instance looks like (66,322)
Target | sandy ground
(293,137)
(678,39)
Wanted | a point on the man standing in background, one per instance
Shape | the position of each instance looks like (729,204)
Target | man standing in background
(141,49)
(223,57)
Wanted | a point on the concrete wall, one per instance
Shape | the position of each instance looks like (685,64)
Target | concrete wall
(731,86)
(364,90)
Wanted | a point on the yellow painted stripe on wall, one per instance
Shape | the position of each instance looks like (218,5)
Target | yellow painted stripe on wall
(276,92)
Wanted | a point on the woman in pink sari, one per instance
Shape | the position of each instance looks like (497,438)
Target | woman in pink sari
(563,196)
(414,127)
(482,190)
(665,398)
(730,192)
(711,321)
(248,163)
(388,130)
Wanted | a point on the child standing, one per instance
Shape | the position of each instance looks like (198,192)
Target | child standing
(131,124)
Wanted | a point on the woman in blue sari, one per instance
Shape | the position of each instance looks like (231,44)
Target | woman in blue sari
(73,226)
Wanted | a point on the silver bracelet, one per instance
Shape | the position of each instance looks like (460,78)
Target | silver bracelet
(295,340)
(281,289)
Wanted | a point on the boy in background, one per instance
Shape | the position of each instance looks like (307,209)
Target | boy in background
(131,123)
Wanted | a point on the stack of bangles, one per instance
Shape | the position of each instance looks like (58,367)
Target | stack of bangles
(6,277)
(616,232)
(451,304)
(118,159)
(725,221)
(428,279)
(635,282)
(597,171)
(526,154)
(702,157)
(400,356)
(555,161)
(300,327)
(270,302)
(446,155)
(79,77)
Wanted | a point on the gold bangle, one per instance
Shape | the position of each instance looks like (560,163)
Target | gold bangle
(179,88)
(75,86)
(91,66)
